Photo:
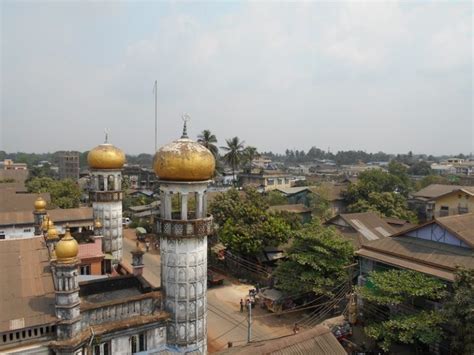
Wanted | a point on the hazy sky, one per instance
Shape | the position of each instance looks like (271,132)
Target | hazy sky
(390,76)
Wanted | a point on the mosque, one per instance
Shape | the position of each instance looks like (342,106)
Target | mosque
(120,314)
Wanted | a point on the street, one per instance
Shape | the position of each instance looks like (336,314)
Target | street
(225,321)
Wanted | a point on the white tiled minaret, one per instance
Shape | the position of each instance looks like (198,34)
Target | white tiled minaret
(106,162)
(184,168)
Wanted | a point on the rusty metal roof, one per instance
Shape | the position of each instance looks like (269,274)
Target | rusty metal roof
(461,225)
(58,215)
(421,255)
(297,208)
(27,292)
(318,340)
(11,201)
(436,190)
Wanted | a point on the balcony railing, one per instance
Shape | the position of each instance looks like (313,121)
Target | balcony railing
(190,228)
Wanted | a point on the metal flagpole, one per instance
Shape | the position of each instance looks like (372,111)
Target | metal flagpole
(155,89)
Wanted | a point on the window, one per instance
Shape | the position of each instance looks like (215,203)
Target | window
(444,211)
(102,349)
(138,343)
(85,269)
(271,181)
(2,236)
(27,230)
(463,210)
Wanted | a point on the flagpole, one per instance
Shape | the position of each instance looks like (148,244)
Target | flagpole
(155,88)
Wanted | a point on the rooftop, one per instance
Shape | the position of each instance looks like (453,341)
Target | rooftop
(297,208)
(11,201)
(58,215)
(437,190)
(27,292)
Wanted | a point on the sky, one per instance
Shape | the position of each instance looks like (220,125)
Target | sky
(374,76)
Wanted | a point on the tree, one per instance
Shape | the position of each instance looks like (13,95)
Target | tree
(64,193)
(420,168)
(233,157)
(245,224)
(394,288)
(274,198)
(316,261)
(381,192)
(459,312)
(432,179)
(249,154)
(207,139)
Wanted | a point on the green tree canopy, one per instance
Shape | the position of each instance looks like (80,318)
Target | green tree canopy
(64,193)
(393,288)
(459,312)
(316,261)
(382,192)
(207,139)
(245,224)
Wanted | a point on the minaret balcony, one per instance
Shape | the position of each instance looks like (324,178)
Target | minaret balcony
(190,228)
(105,196)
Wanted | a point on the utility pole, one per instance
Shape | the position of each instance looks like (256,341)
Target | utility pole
(249,334)
(155,90)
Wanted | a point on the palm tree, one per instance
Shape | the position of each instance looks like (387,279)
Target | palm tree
(234,150)
(207,139)
(249,155)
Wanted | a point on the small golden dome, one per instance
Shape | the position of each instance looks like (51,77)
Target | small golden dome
(97,224)
(67,249)
(40,204)
(47,223)
(106,156)
(52,233)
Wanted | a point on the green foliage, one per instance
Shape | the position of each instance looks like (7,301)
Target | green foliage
(64,193)
(423,327)
(382,192)
(274,198)
(234,154)
(420,168)
(394,287)
(431,179)
(245,225)
(316,261)
(6,181)
(207,139)
(459,312)
(43,171)
(249,154)
(319,203)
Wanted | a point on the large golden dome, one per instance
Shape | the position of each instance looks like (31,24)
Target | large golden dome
(106,156)
(40,204)
(184,160)
(67,249)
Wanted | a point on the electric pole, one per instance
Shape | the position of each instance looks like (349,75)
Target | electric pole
(249,334)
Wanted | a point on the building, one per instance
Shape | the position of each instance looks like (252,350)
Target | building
(105,164)
(185,168)
(364,227)
(434,248)
(333,193)
(265,181)
(438,200)
(295,195)
(317,340)
(140,178)
(68,165)
(9,164)
(13,179)
(12,201)
(21,224)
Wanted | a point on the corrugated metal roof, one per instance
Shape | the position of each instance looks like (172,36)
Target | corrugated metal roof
(436,190)
(418,254)
(58,215)
(318,340)
(11,201)
(26,292)
(292,190)
(461,225)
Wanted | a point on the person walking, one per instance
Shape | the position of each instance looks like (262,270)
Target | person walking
(147,245)
(241,305)
(296,328)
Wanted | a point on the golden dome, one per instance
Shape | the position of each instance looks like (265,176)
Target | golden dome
(106,156)
(67,249)
(52,232)
(97,224)
(47,223)
(40,204)
(184,160)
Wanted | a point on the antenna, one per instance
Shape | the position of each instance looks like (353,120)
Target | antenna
(155,90)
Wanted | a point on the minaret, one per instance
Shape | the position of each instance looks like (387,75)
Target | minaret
(66,287)
(38,214)
(105,163)
(184,168)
